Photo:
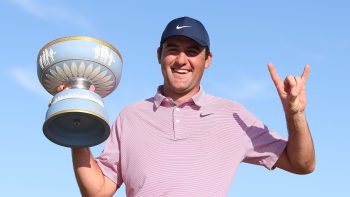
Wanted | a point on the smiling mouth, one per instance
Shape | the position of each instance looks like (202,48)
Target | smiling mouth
(180,71)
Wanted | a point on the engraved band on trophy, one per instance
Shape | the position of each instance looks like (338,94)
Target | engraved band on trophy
(89,69)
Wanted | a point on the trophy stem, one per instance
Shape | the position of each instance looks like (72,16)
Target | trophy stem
(78,83)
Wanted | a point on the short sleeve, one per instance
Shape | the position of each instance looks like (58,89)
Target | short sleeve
(109,160)
(263,146)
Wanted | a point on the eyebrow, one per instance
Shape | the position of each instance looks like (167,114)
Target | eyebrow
(194,46)
(170,45)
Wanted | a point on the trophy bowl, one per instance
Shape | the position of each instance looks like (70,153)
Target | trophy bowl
(86,69)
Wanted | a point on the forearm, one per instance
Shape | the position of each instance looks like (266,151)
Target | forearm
(300,149)
(88,174)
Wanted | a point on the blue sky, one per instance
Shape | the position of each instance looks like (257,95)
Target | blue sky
(245,36)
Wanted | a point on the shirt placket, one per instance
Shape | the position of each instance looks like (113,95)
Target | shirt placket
(176,121)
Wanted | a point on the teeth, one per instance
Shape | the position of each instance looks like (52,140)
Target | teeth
(181,71)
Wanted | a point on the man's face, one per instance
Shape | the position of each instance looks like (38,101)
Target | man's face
(183,62)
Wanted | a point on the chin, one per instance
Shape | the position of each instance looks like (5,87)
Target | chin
(182,89)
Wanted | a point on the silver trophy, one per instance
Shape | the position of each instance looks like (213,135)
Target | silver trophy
(88,69)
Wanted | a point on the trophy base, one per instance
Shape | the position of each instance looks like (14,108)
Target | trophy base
(76,129)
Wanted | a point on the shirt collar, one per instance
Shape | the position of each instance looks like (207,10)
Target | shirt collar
(160,99)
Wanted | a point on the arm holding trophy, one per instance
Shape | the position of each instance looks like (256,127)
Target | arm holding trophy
(79,71)
(89,176)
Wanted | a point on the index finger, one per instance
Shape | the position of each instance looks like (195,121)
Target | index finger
(274,75)
(306,72)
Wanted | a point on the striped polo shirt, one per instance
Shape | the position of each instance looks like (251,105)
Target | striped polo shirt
(159,149)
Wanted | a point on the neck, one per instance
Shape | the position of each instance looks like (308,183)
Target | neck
(180,97)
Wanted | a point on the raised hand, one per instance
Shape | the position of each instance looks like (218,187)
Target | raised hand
(292,90)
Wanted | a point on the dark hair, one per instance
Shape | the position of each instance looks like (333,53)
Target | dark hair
(207,52)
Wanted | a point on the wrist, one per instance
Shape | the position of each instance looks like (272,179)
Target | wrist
(295,115)
(80,151)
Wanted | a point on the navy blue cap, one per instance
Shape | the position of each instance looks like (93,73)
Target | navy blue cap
(188,27)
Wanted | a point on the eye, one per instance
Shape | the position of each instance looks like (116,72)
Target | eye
(172,50)
(192,52)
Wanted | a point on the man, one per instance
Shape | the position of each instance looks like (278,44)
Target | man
(184,142)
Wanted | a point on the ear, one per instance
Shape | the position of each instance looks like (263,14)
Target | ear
(159,54)
(208,60)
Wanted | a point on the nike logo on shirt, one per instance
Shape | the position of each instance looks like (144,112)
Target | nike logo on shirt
(202,115)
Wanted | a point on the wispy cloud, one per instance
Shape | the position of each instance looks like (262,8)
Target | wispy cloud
(28,80)
(243,88)
(46,10)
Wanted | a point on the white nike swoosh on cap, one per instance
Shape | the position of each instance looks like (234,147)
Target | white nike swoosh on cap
(180,27)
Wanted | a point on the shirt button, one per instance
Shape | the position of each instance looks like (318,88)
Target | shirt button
(177,120)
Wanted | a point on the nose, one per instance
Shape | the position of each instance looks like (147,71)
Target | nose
(181,58)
